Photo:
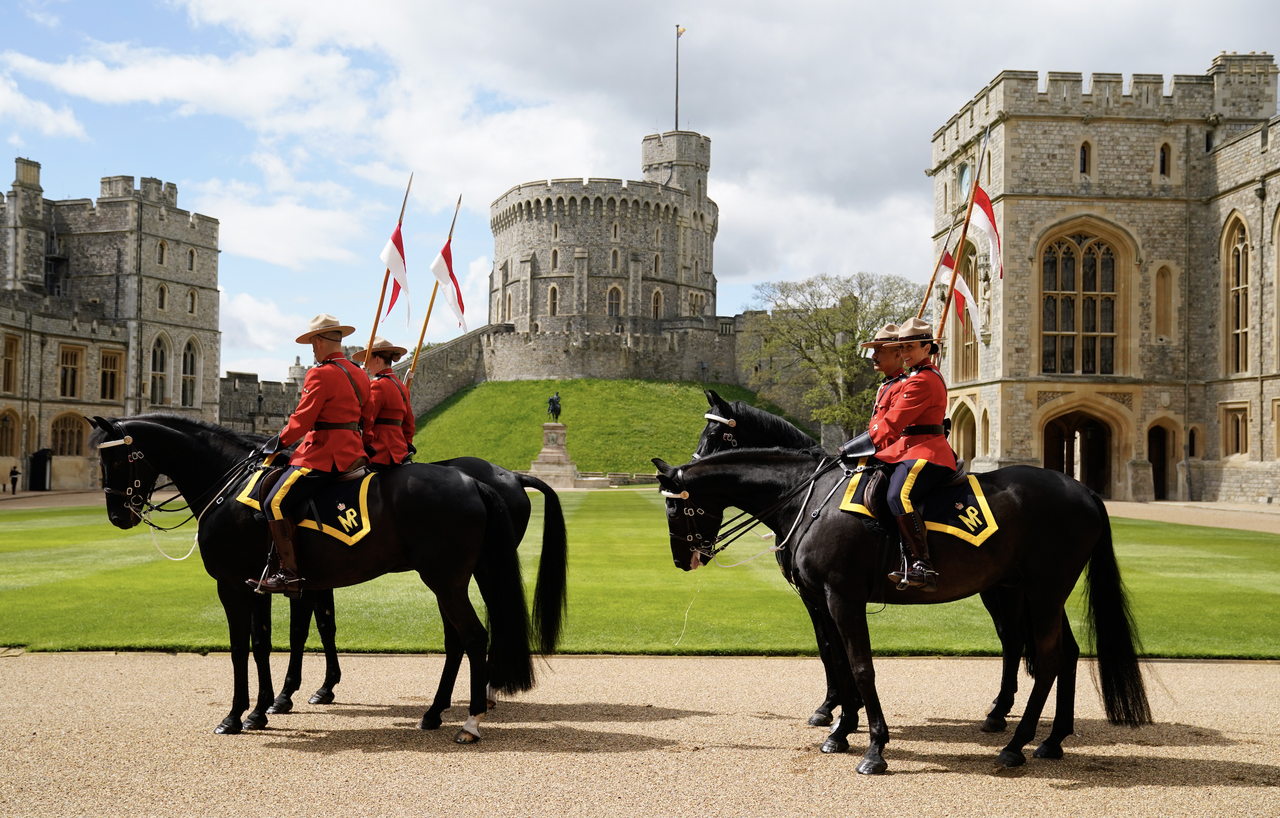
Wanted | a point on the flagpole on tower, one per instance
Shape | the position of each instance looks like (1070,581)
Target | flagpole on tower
(368,357)
(408,381)
(679,31)
(964,231)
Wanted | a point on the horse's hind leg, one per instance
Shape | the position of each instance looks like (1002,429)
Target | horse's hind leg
(1049,649)
(448,678)
(1064,717)
(327,627)
(1005,607)
(299,627)
(474,639)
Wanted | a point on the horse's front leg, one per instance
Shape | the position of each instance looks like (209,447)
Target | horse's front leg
(261,640)
(238,607)
(850,617)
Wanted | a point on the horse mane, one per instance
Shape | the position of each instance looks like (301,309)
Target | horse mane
(228,441)
(785,433)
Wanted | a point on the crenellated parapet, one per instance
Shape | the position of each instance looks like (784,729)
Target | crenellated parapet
(608,255)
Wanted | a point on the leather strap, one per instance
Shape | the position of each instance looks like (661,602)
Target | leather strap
(923,429)
(356,389)
(388,422)
(323,426)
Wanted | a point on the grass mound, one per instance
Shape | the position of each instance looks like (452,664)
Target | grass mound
(613,426)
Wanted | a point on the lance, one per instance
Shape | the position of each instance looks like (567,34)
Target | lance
(368,355)
(414,366)
(964,231)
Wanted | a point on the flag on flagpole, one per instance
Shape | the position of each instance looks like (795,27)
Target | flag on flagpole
(679,32)
(962,295)
(984,219)
(393,258)
(443,269)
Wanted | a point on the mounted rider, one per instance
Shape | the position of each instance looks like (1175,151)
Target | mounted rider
(910,434)
(335,402)
(390,436)
(887,360)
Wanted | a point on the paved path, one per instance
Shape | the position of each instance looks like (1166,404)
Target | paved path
(131,734)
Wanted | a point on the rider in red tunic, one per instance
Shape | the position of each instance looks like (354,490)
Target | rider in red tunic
(333,405)
(886,360)
(391,433)
(911,435)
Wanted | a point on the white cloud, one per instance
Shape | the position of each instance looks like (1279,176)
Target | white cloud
(29,113)
(248,323)
(281,229)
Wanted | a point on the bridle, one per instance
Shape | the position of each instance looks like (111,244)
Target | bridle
(738,526)
(727,437)
(140,505)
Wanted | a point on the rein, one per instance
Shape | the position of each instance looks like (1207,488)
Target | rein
(142,507)
(738,529)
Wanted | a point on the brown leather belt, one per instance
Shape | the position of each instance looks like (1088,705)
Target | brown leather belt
(321,426)
(388,421)
(921,429)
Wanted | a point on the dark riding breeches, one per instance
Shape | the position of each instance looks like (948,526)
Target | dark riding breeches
(911,481)
(291,492)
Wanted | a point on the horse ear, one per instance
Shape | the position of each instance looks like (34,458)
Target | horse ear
(93,422)
(663,468)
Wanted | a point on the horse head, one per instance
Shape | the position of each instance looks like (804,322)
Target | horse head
(718,433)
(692,527)
(127,478)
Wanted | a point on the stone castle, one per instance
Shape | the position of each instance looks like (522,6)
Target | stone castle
(599,278)
(107,307)
(1134,339)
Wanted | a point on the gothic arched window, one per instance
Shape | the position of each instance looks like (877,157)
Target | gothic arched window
(1078,307)
(615,302)
(189,366)
(1237,257)
(553,301)
(67,436)
(657,304)
(965,335)
(160,248)
(162,297)
(159,372)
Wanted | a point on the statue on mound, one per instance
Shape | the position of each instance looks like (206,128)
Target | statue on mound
(553,407)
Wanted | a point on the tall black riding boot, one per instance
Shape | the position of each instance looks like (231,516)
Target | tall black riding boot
(285,580)
(919,573)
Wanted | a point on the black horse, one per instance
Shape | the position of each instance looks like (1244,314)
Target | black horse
(739,424)
(430,519)
(1050,528)
(552,565)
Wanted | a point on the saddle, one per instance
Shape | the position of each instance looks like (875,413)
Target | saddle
(957,507)
(876,494)
(339,509)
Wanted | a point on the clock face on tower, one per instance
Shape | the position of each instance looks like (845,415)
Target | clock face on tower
(966,179)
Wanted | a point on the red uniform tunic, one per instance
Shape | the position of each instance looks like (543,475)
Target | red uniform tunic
(885,397)
(336,391)
(392,429)
(921,400)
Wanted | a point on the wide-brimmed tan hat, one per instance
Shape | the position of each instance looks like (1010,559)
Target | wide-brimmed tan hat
(381,346)
(912,330)
(324,323)
(888,334)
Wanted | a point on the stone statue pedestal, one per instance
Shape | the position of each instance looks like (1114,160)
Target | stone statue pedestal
(553,465)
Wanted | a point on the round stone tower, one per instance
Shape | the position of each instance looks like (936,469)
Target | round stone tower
(606,256)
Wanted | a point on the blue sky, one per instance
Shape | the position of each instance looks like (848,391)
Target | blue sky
(296,124)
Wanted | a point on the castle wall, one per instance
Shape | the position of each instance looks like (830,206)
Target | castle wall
(1166,225)
(261,407)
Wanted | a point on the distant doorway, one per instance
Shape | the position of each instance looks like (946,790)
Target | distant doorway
(1161,454)
(1079,444)
(963,433)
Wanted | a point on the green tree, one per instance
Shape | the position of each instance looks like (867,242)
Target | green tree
(803,346)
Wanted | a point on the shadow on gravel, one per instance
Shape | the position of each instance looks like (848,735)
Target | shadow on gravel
(509,711)
(497,738)
(1089,733)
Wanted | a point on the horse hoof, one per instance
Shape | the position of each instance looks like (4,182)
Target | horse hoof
(994,724)
(230,726)
(255,721)
(835,745)
(1010,758)
(1048,750)
(820,719)
(464,737)
(282,704)
(430,721)
(322,696)
(873,765)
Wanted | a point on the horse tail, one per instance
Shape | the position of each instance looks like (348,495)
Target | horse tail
(549,597)
(500,583)
(1111,628)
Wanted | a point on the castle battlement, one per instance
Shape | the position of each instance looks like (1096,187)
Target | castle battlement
(1237,89)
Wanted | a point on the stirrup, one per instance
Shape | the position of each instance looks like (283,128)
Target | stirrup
(289,584)
(918,575)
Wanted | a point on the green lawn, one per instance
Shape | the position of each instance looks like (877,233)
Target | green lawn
(70,581)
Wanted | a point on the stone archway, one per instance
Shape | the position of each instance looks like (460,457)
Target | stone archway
(963,432)
(1079,444)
